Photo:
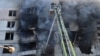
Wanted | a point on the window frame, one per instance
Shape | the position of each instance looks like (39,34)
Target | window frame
(9,35)
(10,24)
(12,13)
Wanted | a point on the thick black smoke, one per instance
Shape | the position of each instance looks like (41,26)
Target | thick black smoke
(44,25)
(35,14)
(28,20)
(28,17)
(84,13)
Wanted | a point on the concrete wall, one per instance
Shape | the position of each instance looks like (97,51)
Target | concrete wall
(10,3)
(3,25)
(3,34)
(98,30)
(4,13)
(5,7)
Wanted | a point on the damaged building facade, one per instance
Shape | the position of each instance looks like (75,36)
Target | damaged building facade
(8,26)
(19,20)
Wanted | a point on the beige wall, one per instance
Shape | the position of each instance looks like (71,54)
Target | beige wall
(3,25)
(2,37)
(10,3)
(4,13)
(5,7)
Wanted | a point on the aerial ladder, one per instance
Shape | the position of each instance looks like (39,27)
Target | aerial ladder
(66,44)
(67,47)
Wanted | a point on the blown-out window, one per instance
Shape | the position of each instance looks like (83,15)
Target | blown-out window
(29,55)
(98,34)
(98,22)
(98,28)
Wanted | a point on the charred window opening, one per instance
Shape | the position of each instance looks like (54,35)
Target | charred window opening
(6,50)
(12,13)
(98,28)
(32,45)
(99,34)
(99,40)
(9,36)
(28,46)
(31,32)
(27,32)
(11,24)
(32,10)
(67,25)
(28,20)
(98,22)
(48,52)
(29,55)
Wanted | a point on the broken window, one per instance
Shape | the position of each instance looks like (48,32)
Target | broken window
(5,50)
(12,13)
(28,46)
(98,22)
(11,24)
(67,25)
(99,34)
(98,28)
(29,55)
(9,36)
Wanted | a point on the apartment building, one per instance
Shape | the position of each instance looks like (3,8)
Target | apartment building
(9,10)
(8,26)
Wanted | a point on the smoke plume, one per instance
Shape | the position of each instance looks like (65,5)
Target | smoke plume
(35,14)
(84,13)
